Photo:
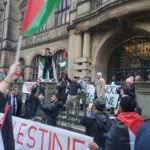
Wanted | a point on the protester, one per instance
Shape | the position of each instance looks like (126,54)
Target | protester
(142,141)
(28,106)
(37,89)
(138,78)
(15,103)
(148,78)
(72,93)
(61,88)
(121,135)
(48,66)
(123,91)
(7,130)
(51,110)
(100,85)
(129,83)
(114,81)
(83,84)
(97,123)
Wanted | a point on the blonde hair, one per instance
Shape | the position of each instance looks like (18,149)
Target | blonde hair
(99,74)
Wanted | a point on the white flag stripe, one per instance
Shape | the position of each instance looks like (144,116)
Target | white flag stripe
(132,139)
(40,71)
(54,72)
(1,142)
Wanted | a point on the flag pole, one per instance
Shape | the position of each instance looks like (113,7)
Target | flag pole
(19,48)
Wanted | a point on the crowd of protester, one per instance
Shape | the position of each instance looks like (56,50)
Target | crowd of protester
(124,131)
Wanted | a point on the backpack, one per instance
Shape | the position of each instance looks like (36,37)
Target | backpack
(101,125)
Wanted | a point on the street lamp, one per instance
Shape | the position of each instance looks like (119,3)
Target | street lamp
(4,4)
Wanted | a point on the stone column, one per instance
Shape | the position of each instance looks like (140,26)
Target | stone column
(78,51)
(86,44)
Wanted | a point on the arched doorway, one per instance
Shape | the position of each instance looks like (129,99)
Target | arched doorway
(132,57)
(61,62)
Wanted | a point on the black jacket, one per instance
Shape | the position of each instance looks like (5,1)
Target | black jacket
(34,89)
(122,131)
(48,61)
(51,111)
(7,130)
(3,102)
(97,124)
(62,90)
(142,141)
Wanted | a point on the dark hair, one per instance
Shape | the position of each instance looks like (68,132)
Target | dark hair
(125,89)
(13,90)
(127,104)
(75,77)
(47,49)
(98,105)
(55,95)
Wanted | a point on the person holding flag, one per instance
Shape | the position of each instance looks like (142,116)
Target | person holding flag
(6,130)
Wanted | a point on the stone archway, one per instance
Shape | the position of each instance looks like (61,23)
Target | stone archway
(110,41)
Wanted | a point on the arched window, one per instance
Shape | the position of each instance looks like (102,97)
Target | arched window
(35,66)
(61,62)
(22,61)
(130,59)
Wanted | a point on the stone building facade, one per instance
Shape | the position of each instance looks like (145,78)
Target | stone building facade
(111,36)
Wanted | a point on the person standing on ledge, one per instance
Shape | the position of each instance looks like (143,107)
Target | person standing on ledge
(47,61)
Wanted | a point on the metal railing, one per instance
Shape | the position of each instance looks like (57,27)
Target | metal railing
(122,74)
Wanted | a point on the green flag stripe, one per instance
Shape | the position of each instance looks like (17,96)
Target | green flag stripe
(42,17)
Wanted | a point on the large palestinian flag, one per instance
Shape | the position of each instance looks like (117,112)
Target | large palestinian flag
(37,13)
(6,131)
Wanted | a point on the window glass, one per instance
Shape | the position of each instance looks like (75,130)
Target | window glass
(35,66)
(62,14)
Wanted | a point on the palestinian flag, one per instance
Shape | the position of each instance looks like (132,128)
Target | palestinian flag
(40,70)
(37,13)
(131,122)
(65,62)
(6,130)
(19,77)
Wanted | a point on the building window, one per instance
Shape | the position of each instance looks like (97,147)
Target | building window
(1,28)
(62,13)
(22,61)
(60,57)
(35,66)
(130,59)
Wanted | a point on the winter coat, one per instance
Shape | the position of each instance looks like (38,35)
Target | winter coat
(34,90)
(142,141)
(62,90)
(122,134)
(100,87)
(51,111)
(97,124)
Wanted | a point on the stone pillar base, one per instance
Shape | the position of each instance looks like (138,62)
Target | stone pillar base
(82,67)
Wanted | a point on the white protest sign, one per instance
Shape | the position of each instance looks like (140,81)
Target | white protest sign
(111,95)
(30,135)
(91,92)
(27,87)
